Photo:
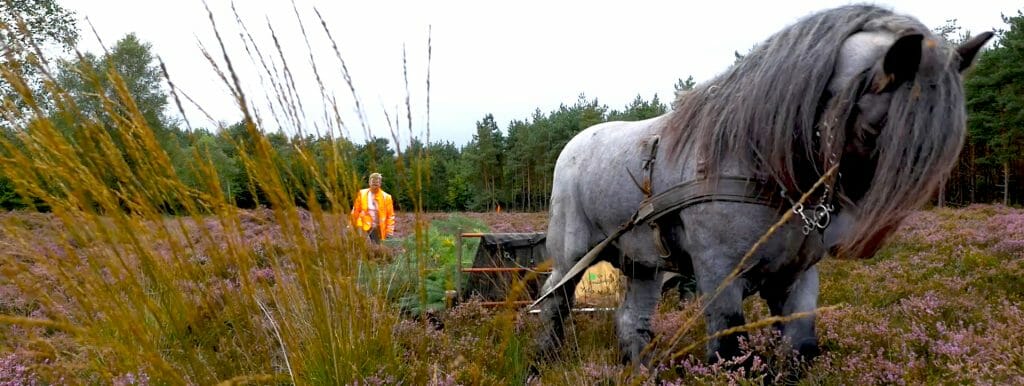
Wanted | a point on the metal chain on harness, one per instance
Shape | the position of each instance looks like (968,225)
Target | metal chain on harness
(821,215)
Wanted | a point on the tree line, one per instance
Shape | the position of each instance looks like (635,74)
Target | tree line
(504,166)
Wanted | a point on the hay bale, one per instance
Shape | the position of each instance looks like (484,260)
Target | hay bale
(601,286)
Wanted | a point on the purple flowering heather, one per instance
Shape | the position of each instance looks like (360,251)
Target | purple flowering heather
(14,372)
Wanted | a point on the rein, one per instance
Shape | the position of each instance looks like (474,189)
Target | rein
(676,198)
(689,193)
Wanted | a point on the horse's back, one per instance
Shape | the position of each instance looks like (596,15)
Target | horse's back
(593,191)
(595,161)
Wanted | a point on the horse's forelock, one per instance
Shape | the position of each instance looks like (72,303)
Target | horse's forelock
(917,148)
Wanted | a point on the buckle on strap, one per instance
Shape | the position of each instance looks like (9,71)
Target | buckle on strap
(648,163)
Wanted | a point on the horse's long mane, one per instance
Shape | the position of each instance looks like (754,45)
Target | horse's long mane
(773,109)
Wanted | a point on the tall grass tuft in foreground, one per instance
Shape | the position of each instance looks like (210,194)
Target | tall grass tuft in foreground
(146,277)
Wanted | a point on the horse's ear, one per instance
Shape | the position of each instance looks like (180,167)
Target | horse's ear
(901,62)
(969,49)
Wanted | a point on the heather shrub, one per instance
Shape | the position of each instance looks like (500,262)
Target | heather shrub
(138,274)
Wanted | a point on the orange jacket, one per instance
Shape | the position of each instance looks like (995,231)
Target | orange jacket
(385,212)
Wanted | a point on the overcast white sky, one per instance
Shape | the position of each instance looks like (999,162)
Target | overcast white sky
(507,58)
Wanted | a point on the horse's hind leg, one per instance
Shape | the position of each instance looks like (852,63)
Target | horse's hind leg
(633,318)
(799,296)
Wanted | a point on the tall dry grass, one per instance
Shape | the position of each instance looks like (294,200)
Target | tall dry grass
(136,277)
(151,278)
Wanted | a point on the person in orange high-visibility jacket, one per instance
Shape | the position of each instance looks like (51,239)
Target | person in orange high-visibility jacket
(373,211)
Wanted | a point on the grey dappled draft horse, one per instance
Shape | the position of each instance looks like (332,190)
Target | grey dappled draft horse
(873,93)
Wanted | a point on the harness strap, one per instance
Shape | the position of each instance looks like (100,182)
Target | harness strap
(724,188)
(584,263)
(648,164)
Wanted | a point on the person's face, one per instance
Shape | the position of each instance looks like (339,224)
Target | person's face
(374,184)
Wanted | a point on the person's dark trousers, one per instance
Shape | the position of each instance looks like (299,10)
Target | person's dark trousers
(375,234)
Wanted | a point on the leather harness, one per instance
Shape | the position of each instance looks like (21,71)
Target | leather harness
(678,197)
(724,188)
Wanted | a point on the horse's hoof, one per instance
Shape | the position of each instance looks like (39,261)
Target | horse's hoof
(633,353)
(532,372)
(547,347)
(808,350)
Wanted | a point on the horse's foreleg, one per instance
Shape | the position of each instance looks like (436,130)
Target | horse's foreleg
(554,314)
(633,318)
(800,297)
(723,309)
